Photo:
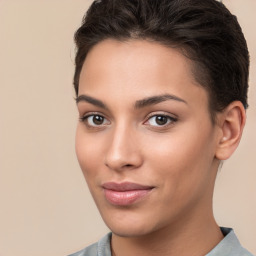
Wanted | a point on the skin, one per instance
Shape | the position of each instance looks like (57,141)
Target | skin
(179,159)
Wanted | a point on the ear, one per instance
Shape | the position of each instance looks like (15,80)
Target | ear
(231,122)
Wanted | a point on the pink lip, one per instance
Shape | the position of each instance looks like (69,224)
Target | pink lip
(125,193)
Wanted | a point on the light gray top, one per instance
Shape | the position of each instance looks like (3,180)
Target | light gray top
(229,246)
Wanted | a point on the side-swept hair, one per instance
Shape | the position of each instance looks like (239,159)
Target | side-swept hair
(204,30)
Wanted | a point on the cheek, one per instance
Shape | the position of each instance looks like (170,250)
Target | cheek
(174,150)
(88,153)
(182,157)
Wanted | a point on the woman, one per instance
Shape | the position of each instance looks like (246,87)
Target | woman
(161,94)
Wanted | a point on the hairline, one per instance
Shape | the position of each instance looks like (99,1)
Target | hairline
(187,52)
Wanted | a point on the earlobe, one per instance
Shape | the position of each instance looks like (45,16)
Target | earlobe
(231,121)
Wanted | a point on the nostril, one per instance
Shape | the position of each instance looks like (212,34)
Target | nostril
(122,158)
(120,166)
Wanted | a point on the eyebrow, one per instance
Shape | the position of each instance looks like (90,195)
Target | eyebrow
(152,100)
(157,99)
(91,100)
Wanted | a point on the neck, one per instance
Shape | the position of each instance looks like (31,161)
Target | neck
(184,238)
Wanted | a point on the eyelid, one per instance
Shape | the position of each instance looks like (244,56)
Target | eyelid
(92,113)
(171,117)
(162,113)
(85,117)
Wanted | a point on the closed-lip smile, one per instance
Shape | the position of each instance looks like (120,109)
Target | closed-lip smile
(126,193)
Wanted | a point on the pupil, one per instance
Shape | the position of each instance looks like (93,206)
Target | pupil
(161,120)
(98,120)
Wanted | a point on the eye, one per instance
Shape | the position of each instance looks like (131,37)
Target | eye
(161,120)
(94,120)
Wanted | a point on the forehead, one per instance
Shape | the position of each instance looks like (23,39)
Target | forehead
(136,57)
(137,68)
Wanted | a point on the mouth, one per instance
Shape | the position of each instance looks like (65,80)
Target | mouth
(126,193)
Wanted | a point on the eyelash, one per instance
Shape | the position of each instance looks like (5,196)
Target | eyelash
(171,120)
(84,119)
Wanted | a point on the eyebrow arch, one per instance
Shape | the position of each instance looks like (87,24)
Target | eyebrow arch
(152,100)
(90,100)
(156,99)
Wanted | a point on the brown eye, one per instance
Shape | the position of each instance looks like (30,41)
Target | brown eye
(161,120)
(94,120)
(98,120)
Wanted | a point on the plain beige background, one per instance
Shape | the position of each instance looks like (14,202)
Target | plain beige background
(45,207)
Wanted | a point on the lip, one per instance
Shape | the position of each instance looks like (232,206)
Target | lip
(126,193)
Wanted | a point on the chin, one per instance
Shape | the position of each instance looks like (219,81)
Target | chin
(129,231)
(129,227)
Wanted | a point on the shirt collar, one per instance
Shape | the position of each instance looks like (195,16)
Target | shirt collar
(229,245)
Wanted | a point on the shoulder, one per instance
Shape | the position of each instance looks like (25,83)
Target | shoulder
(101,248)
(229,246)
(88,251)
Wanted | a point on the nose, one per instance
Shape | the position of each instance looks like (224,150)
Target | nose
(124,151)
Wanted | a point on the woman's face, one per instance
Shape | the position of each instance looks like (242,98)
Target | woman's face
(145,140)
